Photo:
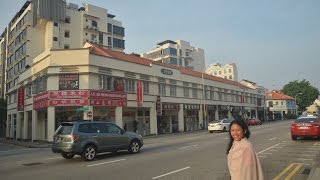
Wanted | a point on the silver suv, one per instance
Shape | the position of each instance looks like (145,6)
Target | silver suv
(87,138)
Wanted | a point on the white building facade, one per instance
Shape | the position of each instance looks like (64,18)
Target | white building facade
(227,71)
(179,53)
(106,85)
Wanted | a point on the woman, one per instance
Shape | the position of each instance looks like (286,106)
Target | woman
(243,162)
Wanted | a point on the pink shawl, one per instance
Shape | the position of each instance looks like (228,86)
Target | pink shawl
(243,162)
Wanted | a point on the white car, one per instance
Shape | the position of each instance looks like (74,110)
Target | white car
(220,125)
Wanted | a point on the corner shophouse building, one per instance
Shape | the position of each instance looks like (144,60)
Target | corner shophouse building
(147,96)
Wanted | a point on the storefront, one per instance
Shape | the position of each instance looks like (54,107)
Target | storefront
(223,111)
(169,118)
(191,117)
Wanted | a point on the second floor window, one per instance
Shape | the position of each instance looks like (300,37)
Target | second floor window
(173,90)
(162,89)
(130,85)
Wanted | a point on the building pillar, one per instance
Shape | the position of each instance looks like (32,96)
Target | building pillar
(8,127)
(51,123)
(153,120)
(25,125)
(34,136)
(118,116)
(256,113)
(181,118)
(202,117)
(18,126)
(216,115)
(12,126)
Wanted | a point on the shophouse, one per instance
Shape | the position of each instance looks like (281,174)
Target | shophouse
(95,83)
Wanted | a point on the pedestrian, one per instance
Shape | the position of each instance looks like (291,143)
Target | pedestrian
(135,125)
(243,161)
(125,127)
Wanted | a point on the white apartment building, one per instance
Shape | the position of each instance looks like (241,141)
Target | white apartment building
(227,71)
(34,30)
(121,88)
(179,53)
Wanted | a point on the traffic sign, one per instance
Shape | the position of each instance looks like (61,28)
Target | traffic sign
(89,114)
(85,108)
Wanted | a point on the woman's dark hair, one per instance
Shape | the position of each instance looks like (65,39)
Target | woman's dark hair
(245,129)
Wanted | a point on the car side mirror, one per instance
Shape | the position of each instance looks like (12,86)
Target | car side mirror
(122,131)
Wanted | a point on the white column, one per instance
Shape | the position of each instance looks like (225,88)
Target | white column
(201,117)
(51,123)
(12,126)
(34,125)
(25,125)
(181,118)
(153,120)
(216,114)
(256,113)
(118,114)
(8,128)
(18,126)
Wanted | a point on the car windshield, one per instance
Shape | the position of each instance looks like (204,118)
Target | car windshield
(305,120)
(64,128)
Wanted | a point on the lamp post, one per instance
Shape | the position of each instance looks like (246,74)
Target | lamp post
(204,102)
(295,101)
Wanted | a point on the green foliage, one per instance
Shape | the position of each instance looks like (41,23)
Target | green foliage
(305,93)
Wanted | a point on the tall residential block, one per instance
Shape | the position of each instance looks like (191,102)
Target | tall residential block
(180,53)
(41,25)
(227,71)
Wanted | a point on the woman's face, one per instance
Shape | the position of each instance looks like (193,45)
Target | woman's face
(236,132)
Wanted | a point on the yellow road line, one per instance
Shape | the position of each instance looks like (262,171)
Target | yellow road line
(285,170)
(293,172)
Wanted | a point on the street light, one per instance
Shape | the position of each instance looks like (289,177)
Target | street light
(204,115)
(295,101)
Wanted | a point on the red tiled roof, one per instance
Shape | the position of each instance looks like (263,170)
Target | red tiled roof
(143,61)
(277,95)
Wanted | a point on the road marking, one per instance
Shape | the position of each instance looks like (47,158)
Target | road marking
(272,139)
(316,144)
(267,149)
(189,146)
(266,153)
(302,159)
(284,171)
(157,177)
(262,156)
(308,155)
(105,162)
(293,172)
(54,158)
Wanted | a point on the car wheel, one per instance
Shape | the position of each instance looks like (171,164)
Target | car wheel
(210,131)
(134,147)
(89,153)
(294,137)
(67,155)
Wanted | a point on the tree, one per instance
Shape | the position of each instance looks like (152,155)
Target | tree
(304,93)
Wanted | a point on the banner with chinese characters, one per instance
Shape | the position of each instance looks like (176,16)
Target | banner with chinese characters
(69,102)
(139,93)
(159,106)
(20,104)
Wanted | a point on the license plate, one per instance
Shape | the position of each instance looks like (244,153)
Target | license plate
(303,127)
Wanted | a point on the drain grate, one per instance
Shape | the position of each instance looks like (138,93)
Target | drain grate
(306,171)
(32,164)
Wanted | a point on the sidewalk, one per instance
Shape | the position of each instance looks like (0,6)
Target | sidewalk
(28,144)
(315,172)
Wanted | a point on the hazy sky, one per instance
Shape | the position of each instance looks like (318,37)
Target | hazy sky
(272,42)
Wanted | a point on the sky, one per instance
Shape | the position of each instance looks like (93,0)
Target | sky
(272,42)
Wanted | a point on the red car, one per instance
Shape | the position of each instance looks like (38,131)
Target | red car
(305,127)
(254,121)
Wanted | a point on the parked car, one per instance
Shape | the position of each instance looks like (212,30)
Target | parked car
(305,127)
(220,125)
(87,138)
(254,121)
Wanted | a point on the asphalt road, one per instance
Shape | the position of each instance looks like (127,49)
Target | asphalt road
(192,156)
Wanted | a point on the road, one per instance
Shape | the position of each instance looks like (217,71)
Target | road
(193,156)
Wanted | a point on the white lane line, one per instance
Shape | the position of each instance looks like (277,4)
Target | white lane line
(105,162)
(54,158)
(272,139)
(157,177)
(189,146)
(308,155)
(268,148)
(302,159)
(265,153)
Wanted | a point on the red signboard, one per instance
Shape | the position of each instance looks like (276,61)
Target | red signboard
(40,97)
(20,104)
(139,93)
(108,95)
(107,102)
(159,106)
(69,102)
(40,104)
(69,94)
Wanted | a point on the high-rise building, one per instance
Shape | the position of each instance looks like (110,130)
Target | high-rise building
(179,52)
(227,71)
(41,25)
